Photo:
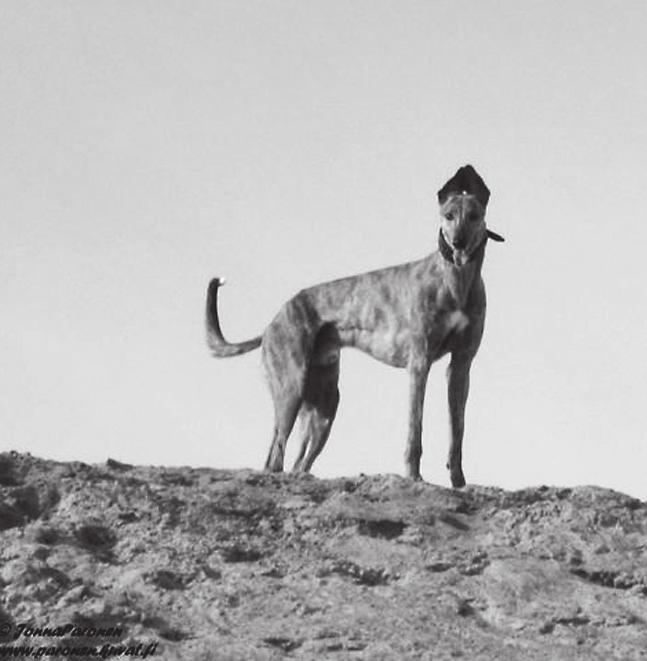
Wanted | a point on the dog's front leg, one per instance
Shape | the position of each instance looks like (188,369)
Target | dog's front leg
(458,384)
(418,373)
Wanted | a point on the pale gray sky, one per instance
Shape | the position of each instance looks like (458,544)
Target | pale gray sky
(148,146)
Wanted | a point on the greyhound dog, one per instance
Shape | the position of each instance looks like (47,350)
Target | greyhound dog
(405,316)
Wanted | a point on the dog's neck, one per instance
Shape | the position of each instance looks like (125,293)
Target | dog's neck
(459,279)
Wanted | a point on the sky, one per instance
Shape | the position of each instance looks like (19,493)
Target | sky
(148,146)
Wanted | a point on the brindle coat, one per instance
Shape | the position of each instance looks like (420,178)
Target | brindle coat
(405,316)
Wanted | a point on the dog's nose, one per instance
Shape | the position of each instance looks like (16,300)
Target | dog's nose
(459,243)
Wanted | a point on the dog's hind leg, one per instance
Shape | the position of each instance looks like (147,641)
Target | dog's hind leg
(304,413)
(321,398)
(286,410)
(286,378)
(286,348)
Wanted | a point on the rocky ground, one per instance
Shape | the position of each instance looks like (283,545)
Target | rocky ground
(204,564)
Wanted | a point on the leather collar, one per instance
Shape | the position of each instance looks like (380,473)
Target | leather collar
(448,253)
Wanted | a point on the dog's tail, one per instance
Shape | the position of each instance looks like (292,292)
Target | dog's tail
(215,340)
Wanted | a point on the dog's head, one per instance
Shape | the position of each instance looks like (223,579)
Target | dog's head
(463,201)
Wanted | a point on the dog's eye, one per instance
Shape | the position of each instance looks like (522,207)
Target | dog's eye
(473,217)
(449,215)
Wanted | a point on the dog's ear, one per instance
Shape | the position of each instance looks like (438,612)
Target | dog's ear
(494,236)
(467,180)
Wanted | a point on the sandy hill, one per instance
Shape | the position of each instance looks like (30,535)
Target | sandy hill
(204,564)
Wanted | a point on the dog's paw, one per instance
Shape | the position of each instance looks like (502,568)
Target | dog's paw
(415,476)
(458,479)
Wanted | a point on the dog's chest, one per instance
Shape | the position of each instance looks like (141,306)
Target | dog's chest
(456,321)
(450,306)
(449,316)
(451,329)
(455,291)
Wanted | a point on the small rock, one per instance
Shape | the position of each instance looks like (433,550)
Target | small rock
(73,595)
(94,536)
(115,465)
(384,528)
(575,559)
(282,642)
(275,572)
(40,552)
(638,590)
(168,580)
(45,535)
(238,553)
(210,572)
(465,608)
(10,517)
(547,627)
(294,504)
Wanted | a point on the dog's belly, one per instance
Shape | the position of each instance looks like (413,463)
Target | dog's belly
(390,348)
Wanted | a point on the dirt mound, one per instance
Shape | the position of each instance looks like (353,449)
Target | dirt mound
(206,564)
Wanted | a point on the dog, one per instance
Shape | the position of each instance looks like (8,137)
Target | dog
(406,316)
